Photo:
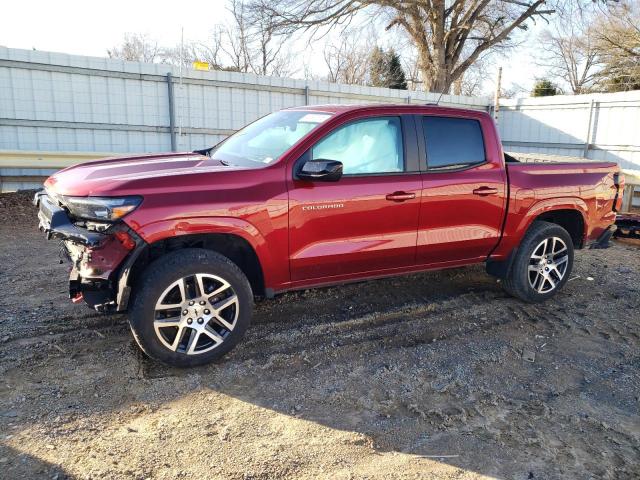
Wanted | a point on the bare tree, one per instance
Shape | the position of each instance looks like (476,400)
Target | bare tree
(254,45)
(617,35)
(186,55)
(512,91)
(621,28)
(268,58)
(136,48)
(237,39)
(449,35)
(470,82)
(568,52)
(411,68)
(243,45)
(347,60)
(211,51)
(308,72)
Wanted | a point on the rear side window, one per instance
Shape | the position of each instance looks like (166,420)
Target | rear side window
(452,142)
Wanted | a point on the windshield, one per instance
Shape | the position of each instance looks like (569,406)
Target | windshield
(265,140)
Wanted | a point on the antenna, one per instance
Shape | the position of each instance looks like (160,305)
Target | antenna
(440,97)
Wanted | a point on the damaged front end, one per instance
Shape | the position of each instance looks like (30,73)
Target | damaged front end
(101,254)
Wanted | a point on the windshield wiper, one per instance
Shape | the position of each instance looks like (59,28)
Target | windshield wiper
(205,151)
(224,162)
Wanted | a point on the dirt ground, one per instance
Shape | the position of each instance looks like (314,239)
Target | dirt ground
(423,376)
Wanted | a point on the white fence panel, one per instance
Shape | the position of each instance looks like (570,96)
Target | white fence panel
(53,102)
(598,127)
(59,102)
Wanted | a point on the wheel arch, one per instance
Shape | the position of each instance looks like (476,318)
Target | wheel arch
(237,240)
(571,220)
(231,245)
(570,213)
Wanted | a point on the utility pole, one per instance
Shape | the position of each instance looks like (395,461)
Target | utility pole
(496,98)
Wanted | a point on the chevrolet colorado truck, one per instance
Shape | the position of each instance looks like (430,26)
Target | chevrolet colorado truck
(314,196)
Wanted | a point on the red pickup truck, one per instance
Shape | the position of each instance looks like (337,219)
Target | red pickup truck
(315,196)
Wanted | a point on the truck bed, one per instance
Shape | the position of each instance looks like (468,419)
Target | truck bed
(538,185)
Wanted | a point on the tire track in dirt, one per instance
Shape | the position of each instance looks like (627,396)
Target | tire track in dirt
(407,326)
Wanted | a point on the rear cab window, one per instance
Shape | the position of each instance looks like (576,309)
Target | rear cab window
(452,143)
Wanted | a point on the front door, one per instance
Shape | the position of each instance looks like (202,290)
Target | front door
(365,222)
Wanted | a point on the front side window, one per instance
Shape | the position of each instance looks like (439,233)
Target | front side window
(452,142)
(365,146)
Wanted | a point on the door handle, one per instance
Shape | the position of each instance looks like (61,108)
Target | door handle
(484,191)
(400,196)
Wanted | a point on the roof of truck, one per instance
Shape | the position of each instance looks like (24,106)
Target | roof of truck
(343,108)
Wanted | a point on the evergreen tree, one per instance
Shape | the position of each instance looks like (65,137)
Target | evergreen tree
(397,78)
(544,88)
(385,69)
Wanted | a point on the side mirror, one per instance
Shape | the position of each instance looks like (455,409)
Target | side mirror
(321,170)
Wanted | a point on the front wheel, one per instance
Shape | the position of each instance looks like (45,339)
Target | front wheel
(190,307)
(542,264)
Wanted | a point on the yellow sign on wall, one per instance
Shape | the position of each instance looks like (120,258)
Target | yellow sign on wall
(201,65)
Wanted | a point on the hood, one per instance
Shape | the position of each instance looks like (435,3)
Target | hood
(131,175)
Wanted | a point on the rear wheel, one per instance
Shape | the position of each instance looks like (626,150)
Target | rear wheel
(191,307)
(543,263)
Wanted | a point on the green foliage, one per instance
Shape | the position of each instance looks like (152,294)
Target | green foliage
(396,73)
(544,88)
(385,69)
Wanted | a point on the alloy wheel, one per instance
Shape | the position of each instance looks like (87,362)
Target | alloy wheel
(548,264)
(196,313)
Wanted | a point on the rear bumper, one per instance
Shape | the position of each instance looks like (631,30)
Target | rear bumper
(603,240)
(98,260)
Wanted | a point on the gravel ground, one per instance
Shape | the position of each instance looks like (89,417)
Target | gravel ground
(423,376)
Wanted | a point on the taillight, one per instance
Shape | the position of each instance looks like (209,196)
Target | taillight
(126,240)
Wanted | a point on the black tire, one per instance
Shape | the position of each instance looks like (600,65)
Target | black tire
(159,276)
(518,280)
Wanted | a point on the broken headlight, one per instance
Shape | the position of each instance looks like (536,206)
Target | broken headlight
(106,209)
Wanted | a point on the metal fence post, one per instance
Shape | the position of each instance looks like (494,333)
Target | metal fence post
(172,113)
(306,94)
(627,198)
(585,152)
(496,96)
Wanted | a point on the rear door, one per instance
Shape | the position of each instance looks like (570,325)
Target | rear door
(367,221)
(463,188)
